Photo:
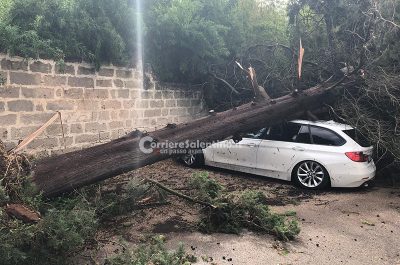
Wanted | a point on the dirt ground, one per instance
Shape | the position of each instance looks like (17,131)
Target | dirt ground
(338,226)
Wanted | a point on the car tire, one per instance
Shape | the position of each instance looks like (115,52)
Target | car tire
(310,175)
(193,160)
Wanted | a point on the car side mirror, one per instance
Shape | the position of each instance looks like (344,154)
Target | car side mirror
(237,138)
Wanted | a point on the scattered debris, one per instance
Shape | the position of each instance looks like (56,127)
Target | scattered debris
(22,213)
(368,223)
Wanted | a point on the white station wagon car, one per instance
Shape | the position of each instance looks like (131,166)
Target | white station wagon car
(314,155)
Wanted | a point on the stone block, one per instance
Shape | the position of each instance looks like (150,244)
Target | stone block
(4,132)
(128,123)
(135,114)
(73,93)
(39,118)
(123,93)
(92,105)
(68,141)
(118,83)
(86,138)
(135,93)
(178,112)
(104,136)
(133,84)
(45,143)
(147,95)
(114,115)
(165,112)
(19,133)
(129,104)
(104,82)
(55,80)
(112,104)
(20,105)
(124,73)
(96,94)
(183,103)
(37,92)
(143,104)
(81,82)
(106,72)
(9,92)
(94,127)
(14,65)
(116,124)
(179,94)
(24,78)
(39,107)
(156,104)
(64,69)
(103,115)
(168,94)
(76,128)
(40,67)
(124,114)
(170,103)
(60,105)
(86,71)
(3,78)
(9,119)
(152,113)
(55,129)
(158,95)
(195,102)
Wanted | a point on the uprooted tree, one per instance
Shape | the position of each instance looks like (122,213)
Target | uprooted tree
(59,174)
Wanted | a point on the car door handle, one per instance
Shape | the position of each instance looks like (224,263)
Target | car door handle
(251,145)
(297,148)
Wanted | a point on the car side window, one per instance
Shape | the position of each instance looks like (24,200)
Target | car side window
(257,134)
(283,132)
(304,136)
(324,136)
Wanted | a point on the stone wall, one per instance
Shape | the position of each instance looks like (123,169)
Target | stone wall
(96,106)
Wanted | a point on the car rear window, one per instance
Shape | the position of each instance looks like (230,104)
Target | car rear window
(358,137)
(324,136)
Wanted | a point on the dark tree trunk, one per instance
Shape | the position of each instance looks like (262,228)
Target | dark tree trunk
(63,173)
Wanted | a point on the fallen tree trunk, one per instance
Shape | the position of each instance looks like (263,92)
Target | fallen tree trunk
(63,173)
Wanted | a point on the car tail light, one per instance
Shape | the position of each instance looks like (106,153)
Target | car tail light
(357,156)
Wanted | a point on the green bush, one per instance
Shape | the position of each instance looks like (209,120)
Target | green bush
(153,253)
(65,227)
(205,188)
(237,210)
(59,234)
(249,210)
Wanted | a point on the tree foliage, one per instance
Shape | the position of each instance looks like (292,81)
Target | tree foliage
(362,34)
(91,30)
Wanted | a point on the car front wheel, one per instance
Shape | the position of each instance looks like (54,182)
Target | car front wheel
(311,175)
(193,160)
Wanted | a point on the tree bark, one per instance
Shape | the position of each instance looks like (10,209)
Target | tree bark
(63,173)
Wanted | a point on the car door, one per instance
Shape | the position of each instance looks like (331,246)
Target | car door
(240,156)
(278,150)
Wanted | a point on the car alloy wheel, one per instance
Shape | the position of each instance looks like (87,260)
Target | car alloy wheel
(189,159)
(310,174)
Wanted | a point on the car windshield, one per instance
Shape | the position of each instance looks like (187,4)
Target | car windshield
(358,137)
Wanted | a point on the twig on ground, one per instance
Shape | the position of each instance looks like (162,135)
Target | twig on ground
(178,194)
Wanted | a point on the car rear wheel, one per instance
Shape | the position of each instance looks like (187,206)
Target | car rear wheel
(311,175)
(193,160)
